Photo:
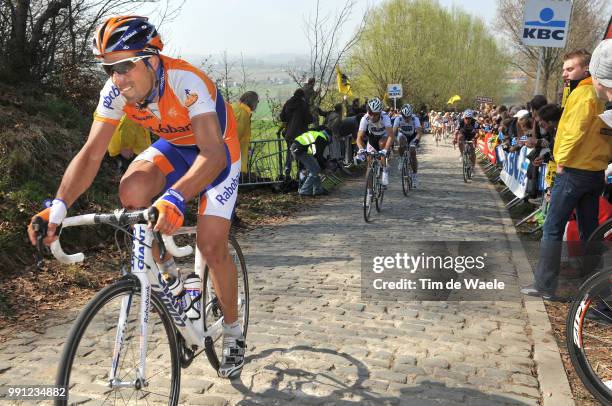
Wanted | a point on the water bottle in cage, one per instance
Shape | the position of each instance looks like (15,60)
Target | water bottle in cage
(177,289)
(193,289)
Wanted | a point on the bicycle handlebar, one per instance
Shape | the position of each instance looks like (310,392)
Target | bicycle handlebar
(119,217)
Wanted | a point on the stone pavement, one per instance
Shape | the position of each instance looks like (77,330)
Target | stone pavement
(313,340)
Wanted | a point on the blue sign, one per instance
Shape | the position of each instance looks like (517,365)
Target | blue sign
(546,22)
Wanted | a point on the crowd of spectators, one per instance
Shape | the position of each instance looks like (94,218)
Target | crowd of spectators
(570,137)
(574,142)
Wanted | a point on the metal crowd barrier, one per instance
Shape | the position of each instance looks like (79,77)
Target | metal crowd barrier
(492,169)
(266,162)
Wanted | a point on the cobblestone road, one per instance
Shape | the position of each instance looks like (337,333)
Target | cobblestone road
(312,340)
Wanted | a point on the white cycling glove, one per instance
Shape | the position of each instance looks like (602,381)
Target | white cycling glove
(58,211)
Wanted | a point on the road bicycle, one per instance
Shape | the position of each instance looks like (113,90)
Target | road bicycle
(374,190)
(133,337)
(467,161)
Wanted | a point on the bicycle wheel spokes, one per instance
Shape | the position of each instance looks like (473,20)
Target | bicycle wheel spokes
(86,363)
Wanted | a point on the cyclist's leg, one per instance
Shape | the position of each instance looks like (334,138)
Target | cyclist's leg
(413,157)
(460,141)
(382,142)
(217,203)
(472,153)
(401,139)
(140,184)
(212,235)
(153,171)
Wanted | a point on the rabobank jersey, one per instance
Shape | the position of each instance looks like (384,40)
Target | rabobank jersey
(377,129)
(407,127)
(186,93)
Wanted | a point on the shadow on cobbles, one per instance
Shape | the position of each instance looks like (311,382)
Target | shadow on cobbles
(349,383)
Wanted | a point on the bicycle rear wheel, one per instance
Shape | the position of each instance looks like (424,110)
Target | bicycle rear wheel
(589,335)
(212,310)
(368,195)
(87,356)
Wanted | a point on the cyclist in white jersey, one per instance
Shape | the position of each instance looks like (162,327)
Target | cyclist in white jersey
(407,128)
(377,125)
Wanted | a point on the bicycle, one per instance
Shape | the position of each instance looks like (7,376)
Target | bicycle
(406,169)
(373,185)
(438,138)
(467,161)
(137,321)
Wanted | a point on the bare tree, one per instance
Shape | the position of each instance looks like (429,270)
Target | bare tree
(245,78)
(587,24)
(326,50)
(42,37)
(223,76)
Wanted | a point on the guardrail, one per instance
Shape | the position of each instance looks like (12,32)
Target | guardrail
(266,162)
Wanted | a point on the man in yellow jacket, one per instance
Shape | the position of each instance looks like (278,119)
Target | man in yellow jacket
(582,153)
(243,110)
(129,140)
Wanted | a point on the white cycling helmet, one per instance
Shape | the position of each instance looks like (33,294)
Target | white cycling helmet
(407,110)
(375,105)
(469,113)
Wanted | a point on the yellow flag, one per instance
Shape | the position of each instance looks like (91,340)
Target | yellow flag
(453,99)
(344,85)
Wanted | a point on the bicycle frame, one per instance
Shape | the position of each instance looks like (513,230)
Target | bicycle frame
(151,280)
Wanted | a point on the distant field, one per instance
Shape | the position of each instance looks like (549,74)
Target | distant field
(277,92)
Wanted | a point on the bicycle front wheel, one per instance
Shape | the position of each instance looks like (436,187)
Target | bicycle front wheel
(465,169)
(379,191)
(88,353)
(589,335)
(406,180)
(368,195)
(213,314)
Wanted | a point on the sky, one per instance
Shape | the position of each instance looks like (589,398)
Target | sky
(263,27)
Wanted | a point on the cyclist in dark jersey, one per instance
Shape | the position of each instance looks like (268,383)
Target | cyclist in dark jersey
(467,131)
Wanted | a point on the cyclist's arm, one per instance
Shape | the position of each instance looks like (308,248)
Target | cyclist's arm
(81,171)
(363,125)
(84,167)
(390,138)
(210,161)
(419,128)
(360,142)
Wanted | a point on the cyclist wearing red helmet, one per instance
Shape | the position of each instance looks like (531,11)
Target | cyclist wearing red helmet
(197,155)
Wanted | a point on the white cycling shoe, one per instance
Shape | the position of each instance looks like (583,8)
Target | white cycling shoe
(232,360)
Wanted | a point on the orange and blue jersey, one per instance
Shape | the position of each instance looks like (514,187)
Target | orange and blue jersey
(184,92)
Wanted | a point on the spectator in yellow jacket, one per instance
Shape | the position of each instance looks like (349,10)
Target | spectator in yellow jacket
(129,140)
(243,110)
(582,153)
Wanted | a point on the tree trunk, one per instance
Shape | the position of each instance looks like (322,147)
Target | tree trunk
(18,43)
